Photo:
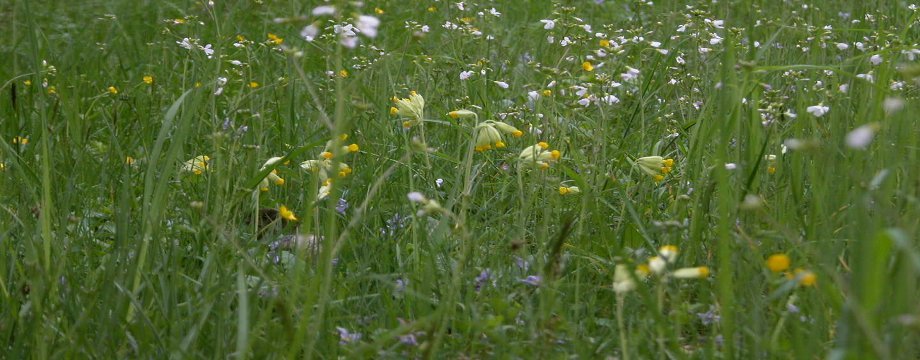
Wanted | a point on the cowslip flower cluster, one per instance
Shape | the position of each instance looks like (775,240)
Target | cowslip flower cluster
(411,108)
(539,155)
(272,176)
(488,134)
(780,263)
(326,166)
(667,256)
(655,166)
(569,190)
(196,165)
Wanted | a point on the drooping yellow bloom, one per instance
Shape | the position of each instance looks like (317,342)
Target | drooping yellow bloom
(805,277)
(539,155)
(778,263)
(622,281)
(412,107)
(462,113)
(487,136)
(692,273)
(669,253)
(196,165)
(274,39)
(655,166)
(569,190)
(272,175)
(286,213)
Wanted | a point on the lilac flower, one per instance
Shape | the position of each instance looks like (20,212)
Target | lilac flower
(346,337)
(482,279)
(408,339)
(533,280)
(342,206)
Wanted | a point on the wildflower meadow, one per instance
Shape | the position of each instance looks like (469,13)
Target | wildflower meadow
(544,179)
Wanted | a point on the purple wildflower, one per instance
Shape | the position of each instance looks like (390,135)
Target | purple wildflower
(533,280)
(346,337)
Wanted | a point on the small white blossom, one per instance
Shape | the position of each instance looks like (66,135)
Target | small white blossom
(875,59)
(548,24)
(818,110)
(466,75)
(861,137)
(323,10)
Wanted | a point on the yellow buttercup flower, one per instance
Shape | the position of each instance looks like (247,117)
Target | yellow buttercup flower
(148,79)
(113,90)
(274,39)
(286,213)
(778,263)
(587,66)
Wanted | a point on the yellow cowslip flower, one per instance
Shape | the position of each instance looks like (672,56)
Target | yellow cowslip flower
(326,155)
(778,263)
(412,107)
(196,165)
(805,277)
(586,66)
(2,166)
(19,140)
(539,155)
(286,213)
(52,90)
(461,114)
(272,176)
(274,39)
(508,129)
(655,166)
(669,253)
(324,191)
(253,85)
(148,79)
(622,281)
(113,90)
(692,273)
(353,148)
(771,163)
(643,271)
(394,111)
(569,190)
(657,264)
(487,136)
(604,43)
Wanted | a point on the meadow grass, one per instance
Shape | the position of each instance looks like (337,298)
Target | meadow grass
(626,179)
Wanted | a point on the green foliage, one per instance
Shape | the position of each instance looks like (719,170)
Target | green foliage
(137,138)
